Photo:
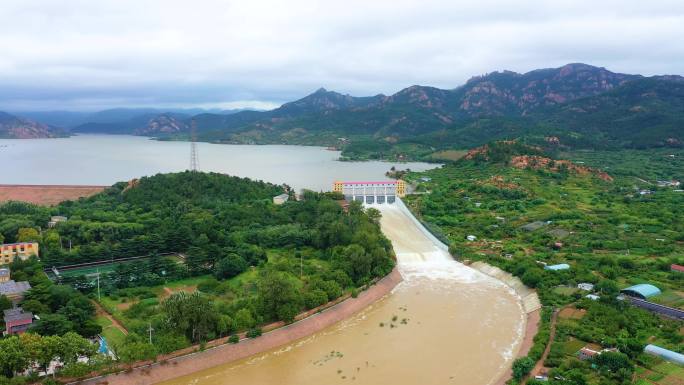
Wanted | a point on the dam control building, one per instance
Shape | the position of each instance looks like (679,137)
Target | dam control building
(371,192)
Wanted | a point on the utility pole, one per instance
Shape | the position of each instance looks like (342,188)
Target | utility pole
(98,284)
(301,264)
(150,330)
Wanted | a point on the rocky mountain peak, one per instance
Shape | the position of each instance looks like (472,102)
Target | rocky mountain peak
(20,128)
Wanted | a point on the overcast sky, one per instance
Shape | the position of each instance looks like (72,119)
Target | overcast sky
(92,54)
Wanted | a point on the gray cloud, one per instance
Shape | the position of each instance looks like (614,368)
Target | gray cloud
(83,54)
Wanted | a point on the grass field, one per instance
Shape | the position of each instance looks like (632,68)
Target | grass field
(665,373)
(112,334)
(573,346)
(448,155)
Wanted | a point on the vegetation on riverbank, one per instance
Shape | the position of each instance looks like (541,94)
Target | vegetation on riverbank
(613,230)
(247,262)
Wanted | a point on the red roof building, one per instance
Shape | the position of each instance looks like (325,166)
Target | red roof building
(678,268)
(17,320)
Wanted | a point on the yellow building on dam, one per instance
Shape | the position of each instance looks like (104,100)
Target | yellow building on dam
(371,192)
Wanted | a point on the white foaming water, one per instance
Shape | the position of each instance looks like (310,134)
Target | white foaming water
(432,267)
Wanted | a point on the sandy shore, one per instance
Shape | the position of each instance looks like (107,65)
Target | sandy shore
(168,368)
(47,195)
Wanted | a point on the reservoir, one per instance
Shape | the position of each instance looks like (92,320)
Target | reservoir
(106,159)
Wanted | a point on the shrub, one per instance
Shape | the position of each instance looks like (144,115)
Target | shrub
(315,298)
(522,366)
(254,333)
(233,339)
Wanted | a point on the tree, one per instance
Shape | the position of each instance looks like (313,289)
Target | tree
(13,356)
(34,306)
(71,346)
(532,277)
(315,298)
(354,260)
(278,295)
(224,325)
(52,324)
(373,214)
(5,303)
(243,319)
(48,350)
(616,363)
(522,366)
(230,266)
(28,234)
(136,350)
(607,287)
(192,314)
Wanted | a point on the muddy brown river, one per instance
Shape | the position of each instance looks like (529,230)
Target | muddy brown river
(445,324)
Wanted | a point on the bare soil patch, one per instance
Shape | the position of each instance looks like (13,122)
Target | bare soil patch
(572,313)
(46,195)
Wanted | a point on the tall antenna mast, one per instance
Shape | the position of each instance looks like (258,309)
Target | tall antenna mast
(194,163)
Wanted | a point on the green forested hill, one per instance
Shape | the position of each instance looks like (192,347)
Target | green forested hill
(526,211)
(581,105)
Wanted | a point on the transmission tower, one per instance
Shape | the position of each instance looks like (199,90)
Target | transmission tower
(194,163)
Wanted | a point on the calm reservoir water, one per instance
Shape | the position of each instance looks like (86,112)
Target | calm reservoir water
(106,159)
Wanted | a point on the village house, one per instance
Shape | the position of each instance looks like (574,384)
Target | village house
(55,219)
(17,321)
(280,199)
(585,286)
(677,268)
(587,353)
(4,275)
(14,290)
(22,250)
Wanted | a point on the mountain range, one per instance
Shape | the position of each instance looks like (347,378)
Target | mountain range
(20,128)
(577,105)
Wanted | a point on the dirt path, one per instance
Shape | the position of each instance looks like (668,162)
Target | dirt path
(552,334)
(99,310)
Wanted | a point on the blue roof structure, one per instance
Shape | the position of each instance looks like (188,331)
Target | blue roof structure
(561,266)
(667,355)
(642,290)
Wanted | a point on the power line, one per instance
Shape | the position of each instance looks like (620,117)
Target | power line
(194,162)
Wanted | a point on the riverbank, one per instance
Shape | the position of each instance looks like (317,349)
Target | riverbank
(46,195)
(168,367)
